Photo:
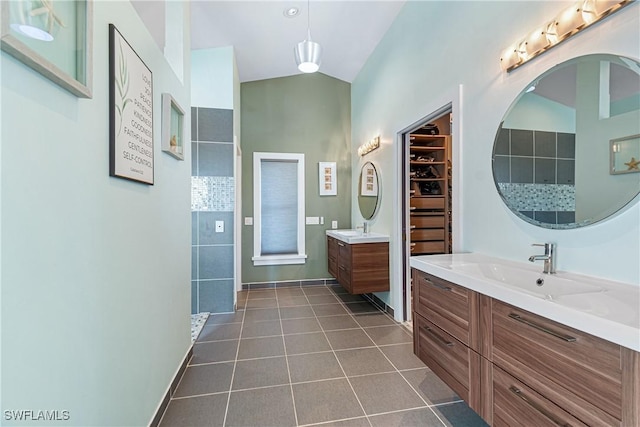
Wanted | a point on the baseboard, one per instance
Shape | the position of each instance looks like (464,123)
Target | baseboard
(289,284)
(164,403)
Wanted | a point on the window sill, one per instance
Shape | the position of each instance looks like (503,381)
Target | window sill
(279,259)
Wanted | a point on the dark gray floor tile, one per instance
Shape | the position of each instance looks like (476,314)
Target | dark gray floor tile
(337,289)
(411,418)
(196,411)
(296,312)
(325,401)
(218,351)
(383,335)
(374,319)
(289,292)
(363,361)
(385,393)
(252,348)
(349,338)
(459,415)
(228,331)
(316,290)
(306,343)
(261,303)
(351,422)
(292,301)
(361,307)
(217,319)
(255,373)
(430,387)
(402,357)
(297,326)
(345,297)
(329,298)
(312,367)
(261,314)
(261,294)
(270,406)
(205,379)
(261,329)
(331,323)
(328,310)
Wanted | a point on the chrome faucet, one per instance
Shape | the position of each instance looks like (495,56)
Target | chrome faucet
(548,257)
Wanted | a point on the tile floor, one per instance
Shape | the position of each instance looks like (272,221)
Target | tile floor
(310,356)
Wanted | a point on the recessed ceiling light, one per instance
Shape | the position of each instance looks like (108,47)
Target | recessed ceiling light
(291,12)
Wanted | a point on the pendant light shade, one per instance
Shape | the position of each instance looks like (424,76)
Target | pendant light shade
(308,53)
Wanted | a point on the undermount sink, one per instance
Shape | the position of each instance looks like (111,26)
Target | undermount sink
(357,236)
(547,286)
(348,232)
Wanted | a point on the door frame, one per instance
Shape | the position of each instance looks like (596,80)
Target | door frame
(453,106)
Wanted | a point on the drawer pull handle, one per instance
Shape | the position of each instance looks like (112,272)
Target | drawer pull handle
(438,337)
(515,390)
(412,227)
(439,286)
(340,244)
(566,338)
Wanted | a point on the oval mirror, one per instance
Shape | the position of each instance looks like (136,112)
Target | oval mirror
(368,191)
(567,151)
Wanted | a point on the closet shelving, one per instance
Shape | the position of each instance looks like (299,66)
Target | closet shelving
(430,194)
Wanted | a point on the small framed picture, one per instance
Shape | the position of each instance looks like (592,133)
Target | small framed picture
(172,127)
(327,178)
(53,37)
(625,155)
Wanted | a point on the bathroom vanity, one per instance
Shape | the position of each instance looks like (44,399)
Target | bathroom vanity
(359,261)
(563,353)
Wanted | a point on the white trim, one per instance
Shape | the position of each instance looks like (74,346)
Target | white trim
(279,259)
(258,258)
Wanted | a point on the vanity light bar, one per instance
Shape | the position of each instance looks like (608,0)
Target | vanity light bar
(569,22)
(369,146)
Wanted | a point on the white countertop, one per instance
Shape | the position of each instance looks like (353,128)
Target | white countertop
(607,309)
(355,236)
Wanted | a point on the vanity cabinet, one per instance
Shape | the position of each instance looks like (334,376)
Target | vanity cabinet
(429,201)
(446,335)
(511,365)
(359,267)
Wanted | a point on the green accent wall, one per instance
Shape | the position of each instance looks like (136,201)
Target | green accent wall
(309,114)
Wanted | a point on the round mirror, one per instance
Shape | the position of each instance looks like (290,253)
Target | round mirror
(368,191)
(567,151)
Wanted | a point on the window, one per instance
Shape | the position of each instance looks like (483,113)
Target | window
(278,204)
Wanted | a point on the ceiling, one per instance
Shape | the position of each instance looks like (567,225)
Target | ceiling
(264,39)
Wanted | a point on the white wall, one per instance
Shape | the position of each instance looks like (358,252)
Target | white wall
(430,49)
(212,78)
(95,270)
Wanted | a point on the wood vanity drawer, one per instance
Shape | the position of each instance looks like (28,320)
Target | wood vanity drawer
(514,402)
(444,303)
(443,354)
(560,358)
(427,221)
(427,234)
(332,256)
(426,202)
(435,247)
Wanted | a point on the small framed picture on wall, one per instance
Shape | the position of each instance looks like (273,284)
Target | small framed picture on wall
(327,178)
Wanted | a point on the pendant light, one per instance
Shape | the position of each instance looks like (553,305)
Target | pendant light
(308,52)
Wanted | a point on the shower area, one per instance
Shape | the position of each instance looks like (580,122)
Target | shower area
(212,211)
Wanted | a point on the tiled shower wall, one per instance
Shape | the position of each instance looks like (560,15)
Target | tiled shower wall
(530,162)
(212,199)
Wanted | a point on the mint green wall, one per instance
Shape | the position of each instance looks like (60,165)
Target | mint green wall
(307,114)
(95,270)
(412,73)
